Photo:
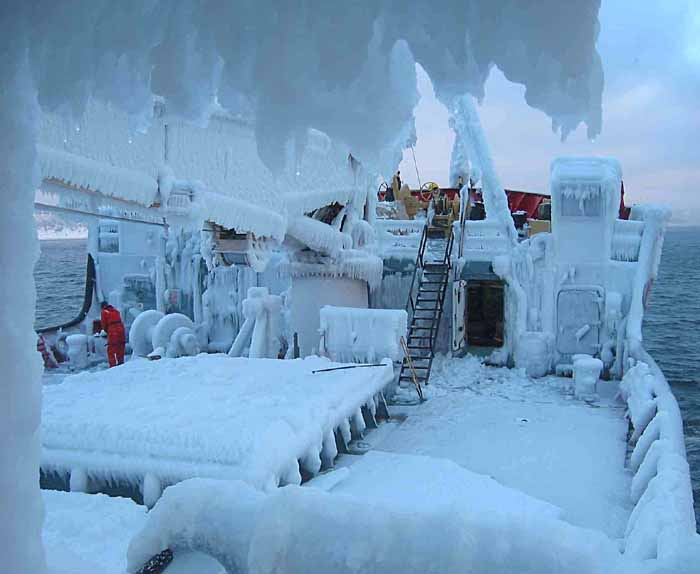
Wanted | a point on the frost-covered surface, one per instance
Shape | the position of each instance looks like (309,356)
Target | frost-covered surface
(662,524)
(582,288)
(20,502)
(237,214)
(585,194)
(318,236)
(351,264)
(531,435)
(469,135)
(262,326)
(193,55)
(359,335)
(86,533)
(210,416)
(552,486)
(482,240)
(627,236)
(655,219)
(96,176)
(399,238)
(306,530)
(386,478)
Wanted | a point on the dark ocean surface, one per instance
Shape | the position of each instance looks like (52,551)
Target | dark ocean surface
(671,325)
(672,334)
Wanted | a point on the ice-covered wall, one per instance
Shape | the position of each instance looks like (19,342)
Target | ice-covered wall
(346,71)
(219,162)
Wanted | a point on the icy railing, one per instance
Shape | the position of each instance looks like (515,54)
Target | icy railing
(179,202)
(662,521)
(482,237)
(380,332)
(626,240)
(394,235)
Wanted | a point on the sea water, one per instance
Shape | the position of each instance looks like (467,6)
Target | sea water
(672,334)
(60,281)
(671,325)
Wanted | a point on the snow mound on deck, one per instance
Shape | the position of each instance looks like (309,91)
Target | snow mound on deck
(306,530)
(209,415)
(415,482)
(85,533)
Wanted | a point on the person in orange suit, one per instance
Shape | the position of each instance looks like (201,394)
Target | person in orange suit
(116,337)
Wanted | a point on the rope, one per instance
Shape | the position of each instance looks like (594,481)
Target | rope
(347,367)
(415,163)
(413,371)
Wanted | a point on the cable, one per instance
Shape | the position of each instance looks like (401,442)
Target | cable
(415,163)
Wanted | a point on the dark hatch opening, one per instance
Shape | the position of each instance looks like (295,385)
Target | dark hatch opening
(484,313)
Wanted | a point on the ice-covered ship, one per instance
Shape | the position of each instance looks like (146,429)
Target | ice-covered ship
(270,324)
(319,381)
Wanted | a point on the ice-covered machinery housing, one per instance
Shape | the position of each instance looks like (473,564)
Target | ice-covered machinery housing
(588,294)
(580,289)
(186,218)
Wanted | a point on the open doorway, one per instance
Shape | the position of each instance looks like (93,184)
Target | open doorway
(484,313)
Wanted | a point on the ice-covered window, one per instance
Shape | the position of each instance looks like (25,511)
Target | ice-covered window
(108,238)
(585,203)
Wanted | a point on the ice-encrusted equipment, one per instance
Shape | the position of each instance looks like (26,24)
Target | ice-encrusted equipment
(426,302)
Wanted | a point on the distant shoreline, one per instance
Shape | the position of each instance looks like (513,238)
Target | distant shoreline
(68,237)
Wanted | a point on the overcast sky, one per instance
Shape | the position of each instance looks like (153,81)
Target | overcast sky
(651,112)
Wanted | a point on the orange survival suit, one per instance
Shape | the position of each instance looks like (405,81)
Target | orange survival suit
(116,337)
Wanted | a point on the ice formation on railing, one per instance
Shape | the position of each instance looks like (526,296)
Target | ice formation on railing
(655,219)
(662,523)
(362,335)
(299,530)
(485,236)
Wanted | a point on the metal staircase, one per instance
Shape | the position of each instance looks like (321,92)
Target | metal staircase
(425,304)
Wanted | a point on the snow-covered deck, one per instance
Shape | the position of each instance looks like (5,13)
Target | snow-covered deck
(533,436)
(262,421)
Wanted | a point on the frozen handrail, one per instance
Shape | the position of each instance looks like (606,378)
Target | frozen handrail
(654,219)
(662,521)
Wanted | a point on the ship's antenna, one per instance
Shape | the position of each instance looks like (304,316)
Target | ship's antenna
(415,163)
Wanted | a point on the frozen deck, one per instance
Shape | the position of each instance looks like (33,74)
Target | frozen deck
(529,435)
(262,421)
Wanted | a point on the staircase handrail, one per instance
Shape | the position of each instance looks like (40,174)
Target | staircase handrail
(410,305)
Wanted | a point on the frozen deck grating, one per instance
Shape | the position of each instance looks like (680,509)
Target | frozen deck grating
(267,422)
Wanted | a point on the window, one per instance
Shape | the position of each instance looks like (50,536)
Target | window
(108,237)
(582,202)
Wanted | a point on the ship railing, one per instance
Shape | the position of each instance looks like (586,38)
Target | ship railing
(482,239)
(399,234)
(662,521)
